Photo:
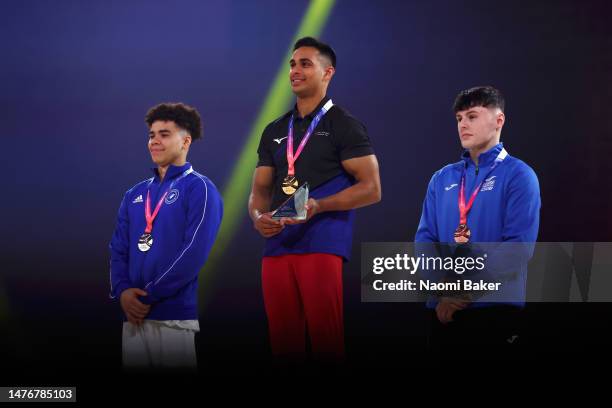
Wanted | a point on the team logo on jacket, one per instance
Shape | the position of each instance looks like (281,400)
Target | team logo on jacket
(451,186)
(137,199)
(488,184)
(172,196)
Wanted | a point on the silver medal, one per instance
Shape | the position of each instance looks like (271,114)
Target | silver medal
(145,242)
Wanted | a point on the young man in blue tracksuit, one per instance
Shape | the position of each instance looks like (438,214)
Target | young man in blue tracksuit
(487,197)
(165,229)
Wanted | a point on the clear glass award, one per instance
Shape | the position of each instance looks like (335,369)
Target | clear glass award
(293,207)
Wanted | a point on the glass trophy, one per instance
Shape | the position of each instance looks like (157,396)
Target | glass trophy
(293,207)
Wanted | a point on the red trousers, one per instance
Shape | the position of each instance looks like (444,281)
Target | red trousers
(304,291)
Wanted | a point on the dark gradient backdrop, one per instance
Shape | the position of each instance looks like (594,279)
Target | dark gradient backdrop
(78,76)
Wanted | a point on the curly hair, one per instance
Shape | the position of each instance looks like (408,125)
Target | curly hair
(185,117)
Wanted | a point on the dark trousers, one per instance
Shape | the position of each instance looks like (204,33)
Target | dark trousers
(491,333)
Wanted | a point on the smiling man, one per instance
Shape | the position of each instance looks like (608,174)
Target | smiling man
(488,196)
(302,264)
(165,229)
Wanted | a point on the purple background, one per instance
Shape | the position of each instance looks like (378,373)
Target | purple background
(78,77)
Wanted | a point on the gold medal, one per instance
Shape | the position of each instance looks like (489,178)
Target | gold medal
(290,185)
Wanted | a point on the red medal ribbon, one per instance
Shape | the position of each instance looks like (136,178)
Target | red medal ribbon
(151,217)
(291,157)
(464,208)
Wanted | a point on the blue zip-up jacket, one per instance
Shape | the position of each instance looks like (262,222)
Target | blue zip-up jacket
(183,234)
(507,208)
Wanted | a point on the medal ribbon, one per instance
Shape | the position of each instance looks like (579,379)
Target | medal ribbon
(151,217)
(464,208)
(292,158)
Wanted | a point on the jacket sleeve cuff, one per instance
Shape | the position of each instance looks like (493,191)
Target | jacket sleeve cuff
(119,290)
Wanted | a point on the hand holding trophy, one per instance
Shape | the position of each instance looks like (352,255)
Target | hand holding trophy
(294,208)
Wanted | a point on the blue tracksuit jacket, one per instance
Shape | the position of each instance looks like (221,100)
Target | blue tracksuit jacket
(507,208)
(183,234)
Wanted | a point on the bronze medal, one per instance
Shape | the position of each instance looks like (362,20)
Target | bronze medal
(462,234)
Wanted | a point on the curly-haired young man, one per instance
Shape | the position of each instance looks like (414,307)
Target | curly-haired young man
(165,229)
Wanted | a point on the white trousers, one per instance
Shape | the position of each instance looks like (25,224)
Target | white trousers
(155,345)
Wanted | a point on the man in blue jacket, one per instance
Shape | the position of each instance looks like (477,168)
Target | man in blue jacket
(165,229)
(487,197)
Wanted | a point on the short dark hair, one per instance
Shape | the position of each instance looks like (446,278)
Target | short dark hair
(323,48)
(185,117)
(485,96)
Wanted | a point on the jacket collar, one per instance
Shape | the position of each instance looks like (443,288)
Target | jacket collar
(173,171)
(485,158)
